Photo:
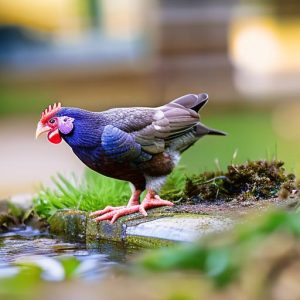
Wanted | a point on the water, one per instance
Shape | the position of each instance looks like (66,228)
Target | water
(30,246)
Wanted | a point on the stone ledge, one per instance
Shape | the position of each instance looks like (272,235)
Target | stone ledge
(161,227)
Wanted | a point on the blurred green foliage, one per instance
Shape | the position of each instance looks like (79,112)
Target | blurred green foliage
(29,274)
(222,258)
(21,285)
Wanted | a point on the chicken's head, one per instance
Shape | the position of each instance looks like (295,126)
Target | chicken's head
(54,124)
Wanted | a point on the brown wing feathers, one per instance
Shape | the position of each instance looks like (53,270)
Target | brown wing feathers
(175,124)
(192,101)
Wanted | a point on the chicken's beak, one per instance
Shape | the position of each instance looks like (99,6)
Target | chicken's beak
(41,129)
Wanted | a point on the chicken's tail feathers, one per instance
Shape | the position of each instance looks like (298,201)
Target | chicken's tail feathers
(201,130)
(192,101)
(217,132)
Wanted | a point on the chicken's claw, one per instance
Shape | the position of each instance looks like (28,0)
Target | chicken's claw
(118,212)
(114,213)
(105,210)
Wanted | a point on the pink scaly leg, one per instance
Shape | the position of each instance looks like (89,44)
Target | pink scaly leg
(133,201)
(151,200)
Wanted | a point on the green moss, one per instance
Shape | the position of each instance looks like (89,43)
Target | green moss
(69,224)
(253,180)
(103,231)
(148,242)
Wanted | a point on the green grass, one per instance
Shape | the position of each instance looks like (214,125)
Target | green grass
(92,192)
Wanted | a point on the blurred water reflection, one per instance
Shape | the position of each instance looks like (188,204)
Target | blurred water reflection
(28,246)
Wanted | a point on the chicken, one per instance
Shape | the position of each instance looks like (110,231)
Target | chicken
(140,145)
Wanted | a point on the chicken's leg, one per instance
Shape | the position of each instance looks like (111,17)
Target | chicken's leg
(113,213)
(133,201)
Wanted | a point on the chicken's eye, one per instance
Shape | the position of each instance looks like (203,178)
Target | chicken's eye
(52,121)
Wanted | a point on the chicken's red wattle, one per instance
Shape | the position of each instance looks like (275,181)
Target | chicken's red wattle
(54,137)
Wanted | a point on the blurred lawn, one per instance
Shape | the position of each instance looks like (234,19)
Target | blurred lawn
(24,101)
(251,132)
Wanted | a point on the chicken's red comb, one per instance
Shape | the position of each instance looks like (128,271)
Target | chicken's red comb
(49,112)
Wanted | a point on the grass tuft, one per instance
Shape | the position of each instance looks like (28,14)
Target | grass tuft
(92,192)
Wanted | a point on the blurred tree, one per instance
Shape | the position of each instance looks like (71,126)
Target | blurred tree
(94,9)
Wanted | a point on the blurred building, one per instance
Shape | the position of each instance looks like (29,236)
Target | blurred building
(265,49)
(76,49)
(128,51)
(141,52)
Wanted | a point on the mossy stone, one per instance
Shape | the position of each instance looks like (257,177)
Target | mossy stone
(104,231)
(148,242)
(7,221)
(69,224)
